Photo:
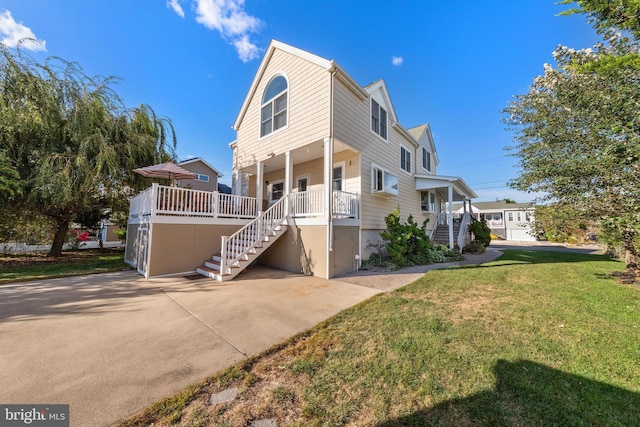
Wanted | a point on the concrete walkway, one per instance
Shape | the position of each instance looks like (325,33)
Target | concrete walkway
(111,344)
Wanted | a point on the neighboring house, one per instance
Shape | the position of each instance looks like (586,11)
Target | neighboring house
(509,221)
(206,175)
(318,163)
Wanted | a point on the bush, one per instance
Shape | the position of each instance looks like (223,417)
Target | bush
(481,231)
(474,247)
(407,244)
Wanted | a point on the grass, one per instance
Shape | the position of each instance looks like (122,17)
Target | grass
(18,268)
(534,338)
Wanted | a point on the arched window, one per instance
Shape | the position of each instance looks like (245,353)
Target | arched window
(273,114)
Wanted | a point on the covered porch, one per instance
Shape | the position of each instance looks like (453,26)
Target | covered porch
(451,189)
(319,180)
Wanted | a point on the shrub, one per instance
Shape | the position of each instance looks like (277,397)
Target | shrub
(480,231)
(408,243)
(474,247)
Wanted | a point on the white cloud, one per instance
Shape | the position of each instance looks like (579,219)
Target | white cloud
(175,5)
(246,50)
(397,60)
(16,34)
(229,18)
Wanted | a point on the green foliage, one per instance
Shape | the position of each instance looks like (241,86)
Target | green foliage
(562,223)
(68,145)
(604,14)
(474,247)
(481,231)
(577,130)
(407,243)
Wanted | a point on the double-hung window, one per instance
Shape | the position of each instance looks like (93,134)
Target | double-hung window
(426,159)
(427,201)
(273,114)
(405,159)
(378,119)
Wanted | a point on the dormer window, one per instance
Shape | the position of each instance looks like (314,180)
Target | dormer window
(378,119)
(273,114)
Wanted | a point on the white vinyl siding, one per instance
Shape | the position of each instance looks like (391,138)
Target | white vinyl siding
(307,110)
(352,121)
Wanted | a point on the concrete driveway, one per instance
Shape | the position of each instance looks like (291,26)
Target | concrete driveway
(111,344)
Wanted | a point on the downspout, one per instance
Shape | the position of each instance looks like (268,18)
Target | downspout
(330,201)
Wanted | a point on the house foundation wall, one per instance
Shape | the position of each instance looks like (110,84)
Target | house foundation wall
(302,249)
(346,245)
(179,248)
(370,238)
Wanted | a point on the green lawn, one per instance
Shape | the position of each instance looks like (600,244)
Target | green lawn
(18,268)
(533,339)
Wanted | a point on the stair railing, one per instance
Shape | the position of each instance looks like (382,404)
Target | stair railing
(439,221)
(239,243)
(463,232)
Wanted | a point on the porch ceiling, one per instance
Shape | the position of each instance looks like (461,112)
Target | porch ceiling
(461,191)
(307,153)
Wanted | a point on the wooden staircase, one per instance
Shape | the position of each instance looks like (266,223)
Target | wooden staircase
(441,235)
(242,248)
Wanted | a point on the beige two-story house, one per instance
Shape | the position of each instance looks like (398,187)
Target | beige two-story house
(318,163)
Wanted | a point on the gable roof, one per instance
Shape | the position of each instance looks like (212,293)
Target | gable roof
(203,161)
(329,65)
(417,131)
(381,86)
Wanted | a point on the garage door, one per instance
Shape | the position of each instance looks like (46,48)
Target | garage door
(521,234)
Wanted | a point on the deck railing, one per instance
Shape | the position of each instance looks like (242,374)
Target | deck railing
(176,201)
(161,200)
(311,203)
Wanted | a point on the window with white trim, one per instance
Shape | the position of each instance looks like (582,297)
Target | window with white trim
(427,201)
(277,191)
(426,159)
(338,177)
(405,159)
(273,113)
(378,119)
(383,182)
(202,177)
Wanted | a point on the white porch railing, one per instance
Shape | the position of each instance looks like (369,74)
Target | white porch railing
(311,203)
(464,232)
(175,201)
(307,203)
(234,247)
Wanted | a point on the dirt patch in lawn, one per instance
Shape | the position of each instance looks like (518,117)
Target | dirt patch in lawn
(41,258)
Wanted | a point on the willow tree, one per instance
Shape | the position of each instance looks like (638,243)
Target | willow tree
(68,145)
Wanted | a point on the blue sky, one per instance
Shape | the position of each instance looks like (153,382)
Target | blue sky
(453,64)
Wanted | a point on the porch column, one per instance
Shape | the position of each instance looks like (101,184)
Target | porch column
(259,181)
(288,171)
(450,215)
